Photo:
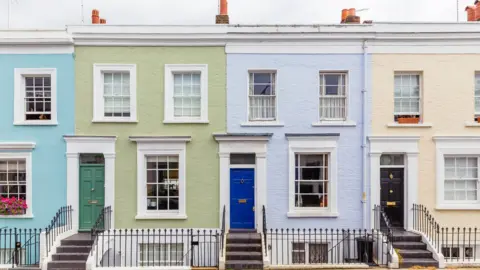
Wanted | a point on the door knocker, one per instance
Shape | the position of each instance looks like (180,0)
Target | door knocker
(242,181)
(391,176)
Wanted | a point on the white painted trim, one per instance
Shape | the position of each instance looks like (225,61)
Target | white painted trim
(407,145)
(35,42)
(472,124)
(98,101)
(19,95)
(457,146)
(335,124)
(311,145)
(419,125)
(262,124)
(17,145)
(272,47)
(170,70)
(27,156)
(245,137)
(77,145)
(239,145)
(160,139)
(158,148)
(37,49)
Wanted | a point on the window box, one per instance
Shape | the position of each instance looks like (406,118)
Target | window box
(12,206)
(408,120)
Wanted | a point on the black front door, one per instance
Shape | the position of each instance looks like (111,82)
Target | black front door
(391,194)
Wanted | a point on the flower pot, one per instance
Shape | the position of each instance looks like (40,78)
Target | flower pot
(408,120)
(477,119)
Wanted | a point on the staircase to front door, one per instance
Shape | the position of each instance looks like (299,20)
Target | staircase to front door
(244,249)
(72,253)
(411,250)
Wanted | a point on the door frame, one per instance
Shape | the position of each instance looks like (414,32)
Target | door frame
(408,146)
(243,144)
(77,145)
(245,166)
(79,189)
(403,183)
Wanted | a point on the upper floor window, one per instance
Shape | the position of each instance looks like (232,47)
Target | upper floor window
(333,96)
(35,97)
(407,98)
(477,97)
(262,96)
(114,93)
(186,93)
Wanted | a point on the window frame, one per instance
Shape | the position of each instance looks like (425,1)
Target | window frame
(475,97)
(260,121)
(98,84)
(27,156)
(306,252)
(19,95)
(347,94)
(420,93)
(151,263)
(170,70)
(314,145)
(478,179)
(153,147)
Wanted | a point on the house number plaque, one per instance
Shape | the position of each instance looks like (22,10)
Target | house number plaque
(242,200)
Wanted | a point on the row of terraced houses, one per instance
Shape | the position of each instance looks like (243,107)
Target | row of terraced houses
(240,146)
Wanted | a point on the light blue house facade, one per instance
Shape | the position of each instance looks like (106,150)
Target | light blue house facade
(37,109)
(296,109)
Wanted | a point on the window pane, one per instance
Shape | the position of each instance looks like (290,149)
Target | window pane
(37,97)
(311,184)
(13,179)
(333,100)
(116,93)
(407,94)
(162,182)
(187,95)
(262,102)
(242,159)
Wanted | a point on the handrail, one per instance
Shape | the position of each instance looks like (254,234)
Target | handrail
(223,231)
(102,223)
(424,222)
(390,239)
(265,229)
(61,222)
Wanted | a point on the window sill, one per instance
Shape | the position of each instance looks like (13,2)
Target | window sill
(307,214)
(420,125)
(36,123)
(16,216)
(334,124)
(472,206)
(160,216)
(262,124)
(472,124)
(186,121)
(114,121)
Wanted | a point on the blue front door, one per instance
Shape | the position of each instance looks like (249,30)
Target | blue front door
(242,198)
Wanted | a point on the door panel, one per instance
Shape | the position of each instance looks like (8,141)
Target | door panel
(392,194)
(242,198)
(92,194)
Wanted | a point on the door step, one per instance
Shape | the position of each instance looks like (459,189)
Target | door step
(244,250)
(411,250)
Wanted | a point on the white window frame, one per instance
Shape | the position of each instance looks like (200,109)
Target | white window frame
(454,146)
(322,73)
(160,146)
(313,145)
(261,122)
(19,95)
(170,70)
(150,262)
(20,151)
(420,93)
(98,101)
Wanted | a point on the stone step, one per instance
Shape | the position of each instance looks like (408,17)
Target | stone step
(415,253)
(67,265)
(70,256)
(242,231)
(244,247)
(409,245)
(245,238)
(238,265)
(406,238)
(25,268)
(68,242)
(73,249)
(243,255)
(411,262)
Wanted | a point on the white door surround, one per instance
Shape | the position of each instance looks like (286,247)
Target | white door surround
(77,145)
(407,145)
(243,144)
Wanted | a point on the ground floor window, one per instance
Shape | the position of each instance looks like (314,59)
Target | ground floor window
(309,252)
(161,254)
(451,252)
(162,183)
(461,177)
(311,180)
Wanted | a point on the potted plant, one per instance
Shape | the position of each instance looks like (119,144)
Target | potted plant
(12,206)
(408,119)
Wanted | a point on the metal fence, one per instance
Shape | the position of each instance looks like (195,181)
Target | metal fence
(157,247)
(20,247)
(327,246)
(61,222)
(457,244)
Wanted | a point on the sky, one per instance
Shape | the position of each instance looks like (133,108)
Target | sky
(45,14)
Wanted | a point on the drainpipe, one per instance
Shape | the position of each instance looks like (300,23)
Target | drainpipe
(364,136)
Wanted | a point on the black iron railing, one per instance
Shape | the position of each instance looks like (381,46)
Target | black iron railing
(457,244)
(383,224)
(61,222)
(222,233)
(103,222)
(157,247)
(264,213)
(20,247)
(327,246)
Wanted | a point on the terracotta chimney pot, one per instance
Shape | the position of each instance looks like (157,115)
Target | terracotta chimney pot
(344,15)
(95,17)
(223,18)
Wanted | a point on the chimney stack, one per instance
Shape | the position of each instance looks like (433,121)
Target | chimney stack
(95,16)
(103,21)
(349,16)
(222,18)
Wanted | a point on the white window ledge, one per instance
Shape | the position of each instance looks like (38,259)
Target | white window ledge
(36,123)
(262,124)
(472,124)
(334,124)
(16,216)
(419,125)
(160,216)
(186,121)
(306,214)
(462,206)
(114,121)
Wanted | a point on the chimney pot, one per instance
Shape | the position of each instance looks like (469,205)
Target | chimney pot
(223,18)
(95,16)
(352,12)
(223,7)
(344,15)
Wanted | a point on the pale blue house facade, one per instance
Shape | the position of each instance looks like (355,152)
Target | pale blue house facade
(304,105)
(37,109)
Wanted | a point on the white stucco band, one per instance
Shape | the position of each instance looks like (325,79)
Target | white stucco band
(77,145)
(243,144)
(407,145)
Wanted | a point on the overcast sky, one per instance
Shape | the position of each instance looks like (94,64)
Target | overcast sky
(40,14)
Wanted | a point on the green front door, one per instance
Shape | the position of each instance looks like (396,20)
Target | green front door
(92,194)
